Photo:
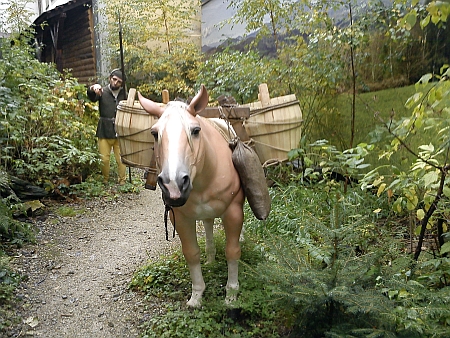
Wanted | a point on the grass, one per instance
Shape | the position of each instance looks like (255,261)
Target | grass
(335,120)
(69,211)
(335,123)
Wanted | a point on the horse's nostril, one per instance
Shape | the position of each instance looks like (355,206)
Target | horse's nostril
(185,182)
(160,181)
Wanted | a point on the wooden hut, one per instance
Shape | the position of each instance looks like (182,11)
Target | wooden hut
(66,34)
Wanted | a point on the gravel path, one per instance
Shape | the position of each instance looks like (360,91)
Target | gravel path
(80,268)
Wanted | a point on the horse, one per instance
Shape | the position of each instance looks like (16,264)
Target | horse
(199,183)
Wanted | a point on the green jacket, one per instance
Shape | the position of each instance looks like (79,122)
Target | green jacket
(107,105)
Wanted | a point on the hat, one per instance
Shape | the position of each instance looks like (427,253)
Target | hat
(116,72)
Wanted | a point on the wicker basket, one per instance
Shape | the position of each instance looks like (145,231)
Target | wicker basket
(133,126)
(274,126)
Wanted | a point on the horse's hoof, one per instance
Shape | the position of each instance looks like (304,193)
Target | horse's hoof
(196,299)
(194,303)
(230,301)
(231,297)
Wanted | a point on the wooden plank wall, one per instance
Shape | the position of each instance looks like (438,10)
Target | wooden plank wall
(78,44)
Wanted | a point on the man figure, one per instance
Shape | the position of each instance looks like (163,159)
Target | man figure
(108,98)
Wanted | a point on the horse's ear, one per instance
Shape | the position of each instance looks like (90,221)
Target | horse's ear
(150,107)
(199,102)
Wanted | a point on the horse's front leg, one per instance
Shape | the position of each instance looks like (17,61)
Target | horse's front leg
(210,246)
(232,222)
(188,235)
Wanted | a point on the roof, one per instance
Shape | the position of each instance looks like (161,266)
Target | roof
(58,10)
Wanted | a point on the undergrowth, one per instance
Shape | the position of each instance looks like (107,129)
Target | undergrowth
(324,264)
(12,234)
(253,316)
(9,280)
(337,262)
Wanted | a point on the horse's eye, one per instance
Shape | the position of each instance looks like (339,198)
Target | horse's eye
(195,131)
(155,134)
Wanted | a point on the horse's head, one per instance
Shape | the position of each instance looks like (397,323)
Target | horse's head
(177,145)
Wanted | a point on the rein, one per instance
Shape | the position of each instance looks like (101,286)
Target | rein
(166,213)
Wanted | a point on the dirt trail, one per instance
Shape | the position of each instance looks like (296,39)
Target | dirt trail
(81,266)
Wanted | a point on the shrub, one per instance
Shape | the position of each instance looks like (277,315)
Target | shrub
(13,232)
(47,128)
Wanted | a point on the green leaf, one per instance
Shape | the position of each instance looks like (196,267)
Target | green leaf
(413,99)
(420,214)
(425,79)
(381,189)
(445,248)
(403,294)
(410,19)
(378,181)
(411,204)
(397,206)
(425,147)
(425,22)
(430,178)
(446,191)
(392,293)
(418,230)
(33,205)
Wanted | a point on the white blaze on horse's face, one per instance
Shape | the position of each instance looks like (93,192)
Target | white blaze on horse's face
(176,145)
(176,148)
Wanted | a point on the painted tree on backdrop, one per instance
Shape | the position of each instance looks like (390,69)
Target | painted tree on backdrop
(255,14)
(161,48)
